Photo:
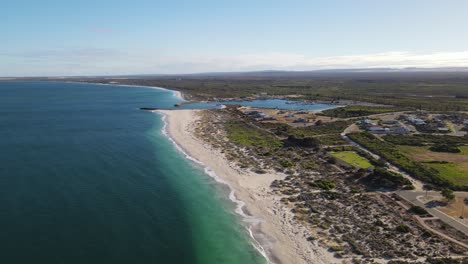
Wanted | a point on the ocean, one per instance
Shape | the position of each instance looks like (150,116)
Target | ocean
(87,177)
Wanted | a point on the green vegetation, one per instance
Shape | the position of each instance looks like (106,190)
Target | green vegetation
(451,166)
(445,148)
(352,158)
(391,153)
(382,178)
(357,110)
(463,150)
(402,228)
(430,260)
(286,163)
(428,91)
(418,210)
(447,194)
(328,128)
(305,142)
(323,184)
(454,172)
(424,139)
(331,140)
(246,135)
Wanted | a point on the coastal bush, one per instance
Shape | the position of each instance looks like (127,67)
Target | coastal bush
(323,184)
(382,178)
(444,148)
(402,228)
(286,163)
(425,139)
(399,92)
(331,160)
(391,153)
(305,142)
(244,134)
(358,110)
(418,210)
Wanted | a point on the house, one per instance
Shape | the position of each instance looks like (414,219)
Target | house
(390,122)
(251,113)
(267,117)
(416,121)
(443,129)
(367,123)
(399,130)
(301,120)
(379,130)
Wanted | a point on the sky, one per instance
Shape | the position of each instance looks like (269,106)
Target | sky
(104,37)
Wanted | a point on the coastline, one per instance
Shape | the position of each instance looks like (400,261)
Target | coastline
(274,232)
(176,93)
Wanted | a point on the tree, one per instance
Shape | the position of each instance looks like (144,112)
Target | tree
(427,187)
(447,194)
(465,202)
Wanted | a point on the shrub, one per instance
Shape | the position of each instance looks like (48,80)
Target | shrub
(418,210)
(323,184)
(402,228)
(444,148)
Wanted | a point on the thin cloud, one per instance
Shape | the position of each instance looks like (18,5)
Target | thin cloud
(97,61)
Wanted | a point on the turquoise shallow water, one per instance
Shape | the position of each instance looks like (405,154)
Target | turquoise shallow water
(268,103)
(86,177)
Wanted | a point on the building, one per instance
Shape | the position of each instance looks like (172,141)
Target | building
(301,120)
(399,130)
(267,117)
(443,130)
(416,121)
(379,130)
(390,122)
(388,130)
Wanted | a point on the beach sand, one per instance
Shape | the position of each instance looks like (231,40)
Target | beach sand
(278,235)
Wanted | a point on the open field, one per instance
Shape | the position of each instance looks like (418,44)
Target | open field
(455,208)
(394,155)
(451,166)
(454,172)
(352,158)
(424,154)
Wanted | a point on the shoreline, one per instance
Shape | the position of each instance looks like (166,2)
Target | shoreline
(176,93)
(274,232)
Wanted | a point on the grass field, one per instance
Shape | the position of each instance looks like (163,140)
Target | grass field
(352,158)
(424,154)
(455,169)
(454,172)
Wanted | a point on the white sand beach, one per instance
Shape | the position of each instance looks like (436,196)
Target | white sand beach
(282,238)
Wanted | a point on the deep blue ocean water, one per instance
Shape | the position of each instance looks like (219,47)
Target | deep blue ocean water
(87,177)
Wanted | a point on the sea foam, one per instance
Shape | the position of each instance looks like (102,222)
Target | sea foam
(250,220)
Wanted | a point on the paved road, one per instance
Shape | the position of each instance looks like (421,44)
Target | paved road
(412,197)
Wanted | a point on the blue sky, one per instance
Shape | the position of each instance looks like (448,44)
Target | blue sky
(130,37)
